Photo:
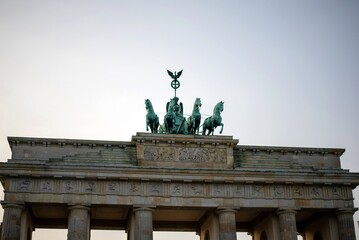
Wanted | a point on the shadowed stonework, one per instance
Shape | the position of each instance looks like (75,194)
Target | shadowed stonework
(207,184)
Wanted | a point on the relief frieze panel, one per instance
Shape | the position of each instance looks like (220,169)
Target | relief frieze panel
(185,154)
(163,154)
(176,189)
(155,188)
(182,189)
(217,190)
(316,192)
(257,191)
(69,186)
(278,191)
(237,190)
(132,188)
(112,187)
(196,190)
(24,185)
(335,192)
(89,186)
(47,185)
(297,191)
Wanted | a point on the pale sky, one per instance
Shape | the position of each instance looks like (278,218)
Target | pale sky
(287,71)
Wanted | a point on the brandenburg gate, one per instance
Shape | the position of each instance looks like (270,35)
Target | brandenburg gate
(206,184)
(174,179)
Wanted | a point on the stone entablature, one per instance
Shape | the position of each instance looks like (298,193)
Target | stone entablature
(52,190)
(289,158)
(174,151)
(207,184)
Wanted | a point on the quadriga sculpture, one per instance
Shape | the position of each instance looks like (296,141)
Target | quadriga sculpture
(214,121)
(151,117)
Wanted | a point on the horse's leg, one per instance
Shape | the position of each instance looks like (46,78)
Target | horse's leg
(189,125)
(198,124)
(153,127)
(221,128)
(156,124)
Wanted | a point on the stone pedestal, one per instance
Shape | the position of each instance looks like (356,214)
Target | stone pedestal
(11,227)
(143,223)
(79,223)
(184,151)
(227,224)
(346,224)
(287,224)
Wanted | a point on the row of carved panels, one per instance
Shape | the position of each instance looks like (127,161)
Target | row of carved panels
(148,188)
(185,154)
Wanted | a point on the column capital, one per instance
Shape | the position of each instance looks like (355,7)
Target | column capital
(83,207)
(12,204)
(346,210)
(226,210)
(143,208)
(287,210)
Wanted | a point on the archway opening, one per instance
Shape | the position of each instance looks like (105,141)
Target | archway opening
(263,236)
(317,236)
(206,237)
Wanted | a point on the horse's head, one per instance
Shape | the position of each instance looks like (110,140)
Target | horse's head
(148,104)
(198,102)
(219,107)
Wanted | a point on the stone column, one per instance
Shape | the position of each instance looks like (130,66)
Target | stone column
(78,223)
(227,224)
(11,227)
(143,223)
(287,224)
(346,224)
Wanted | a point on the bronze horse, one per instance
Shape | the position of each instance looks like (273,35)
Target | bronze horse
(214,121)
(194,120)
(151,117)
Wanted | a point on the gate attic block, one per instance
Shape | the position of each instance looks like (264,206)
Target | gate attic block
(206,184)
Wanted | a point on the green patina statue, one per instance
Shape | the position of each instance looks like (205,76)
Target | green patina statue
(174,120)
(175,83)
(194,120)
(151,117)
(214,121)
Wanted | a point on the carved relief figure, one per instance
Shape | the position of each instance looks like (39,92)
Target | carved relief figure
(47,186)
(176,189)
(69,186)
(24,184)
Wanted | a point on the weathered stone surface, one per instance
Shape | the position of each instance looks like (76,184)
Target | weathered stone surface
(346,224)
(287,224)
(79,223)
(184,151)
(12,221)
(185,179)
(227,224)
(143,223)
